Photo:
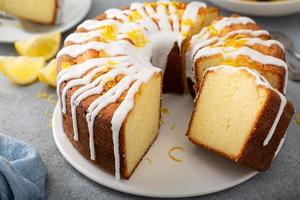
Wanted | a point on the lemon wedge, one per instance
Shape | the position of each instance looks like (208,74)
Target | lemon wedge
(4,59)
(48,74)
(21,70)
(45,46)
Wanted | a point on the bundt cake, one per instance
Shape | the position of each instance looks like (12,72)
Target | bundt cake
(39,11)
(239,115)
(114,68)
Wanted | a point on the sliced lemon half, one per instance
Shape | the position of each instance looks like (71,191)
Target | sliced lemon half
(45,46)
(21,70)
(48,74)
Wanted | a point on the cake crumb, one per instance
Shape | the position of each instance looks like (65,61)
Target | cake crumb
(149,160)
(162,122)
(47,112)
(165,111)
(173,157)
(42,95)
(297,118)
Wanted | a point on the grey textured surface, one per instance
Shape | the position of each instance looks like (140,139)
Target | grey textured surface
(22,116)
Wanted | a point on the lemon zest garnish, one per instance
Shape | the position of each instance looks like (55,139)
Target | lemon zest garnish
(236,42)
(137,37)
(297,118)
(165,111)
(65,65)
(134,16)
(187,22)
(110,82)
(186,34)
(47,112)
(173,157)
(212,30)
(42,95)
(51,99)
(108,32)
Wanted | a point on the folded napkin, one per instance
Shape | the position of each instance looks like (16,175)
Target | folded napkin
(22,173)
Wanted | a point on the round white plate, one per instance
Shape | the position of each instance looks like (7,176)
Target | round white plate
(263,8)
(199,173)
(73,11)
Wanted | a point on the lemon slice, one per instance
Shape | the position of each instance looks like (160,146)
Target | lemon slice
(21,70)
(4,59)
(48,74)
(45,45)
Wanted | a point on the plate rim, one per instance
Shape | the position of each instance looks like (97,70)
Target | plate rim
(282,8)
(65,28)
(56,125)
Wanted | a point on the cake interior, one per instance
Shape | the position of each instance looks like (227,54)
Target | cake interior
(271,73)
(226,111)
(142,124)
(40,11)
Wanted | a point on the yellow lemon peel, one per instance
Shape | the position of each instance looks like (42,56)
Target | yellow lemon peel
(45,45)
(137,37)
(48,74)
(165,111)
(21,70)
(65,65)
(187,22)
(236,42)
(134,16)
(173,157)
(110,82)
(108,32)
(42,95)
(297,118)
(51,99)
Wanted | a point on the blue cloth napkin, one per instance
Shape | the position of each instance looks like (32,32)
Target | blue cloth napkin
(22,173)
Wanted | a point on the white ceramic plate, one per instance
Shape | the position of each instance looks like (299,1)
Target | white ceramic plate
(199,173)
(266,8)
(73,11)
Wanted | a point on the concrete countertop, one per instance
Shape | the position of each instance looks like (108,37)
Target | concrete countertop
(23,116)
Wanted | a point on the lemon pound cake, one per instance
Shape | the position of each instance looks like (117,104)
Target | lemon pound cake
(39,11)
(240,116)
(111,77)
(237,41)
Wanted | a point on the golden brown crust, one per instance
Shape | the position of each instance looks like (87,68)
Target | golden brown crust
(102,134)
(277,73)
(254,154)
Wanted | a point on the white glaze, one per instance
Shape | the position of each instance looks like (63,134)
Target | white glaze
(131,61)
(245,51)
(227,21)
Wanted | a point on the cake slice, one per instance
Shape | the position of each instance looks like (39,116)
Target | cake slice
(39,11)
(240,116)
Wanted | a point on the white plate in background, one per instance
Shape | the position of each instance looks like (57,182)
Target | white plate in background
(73,11)
(260,8)
(201,172)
